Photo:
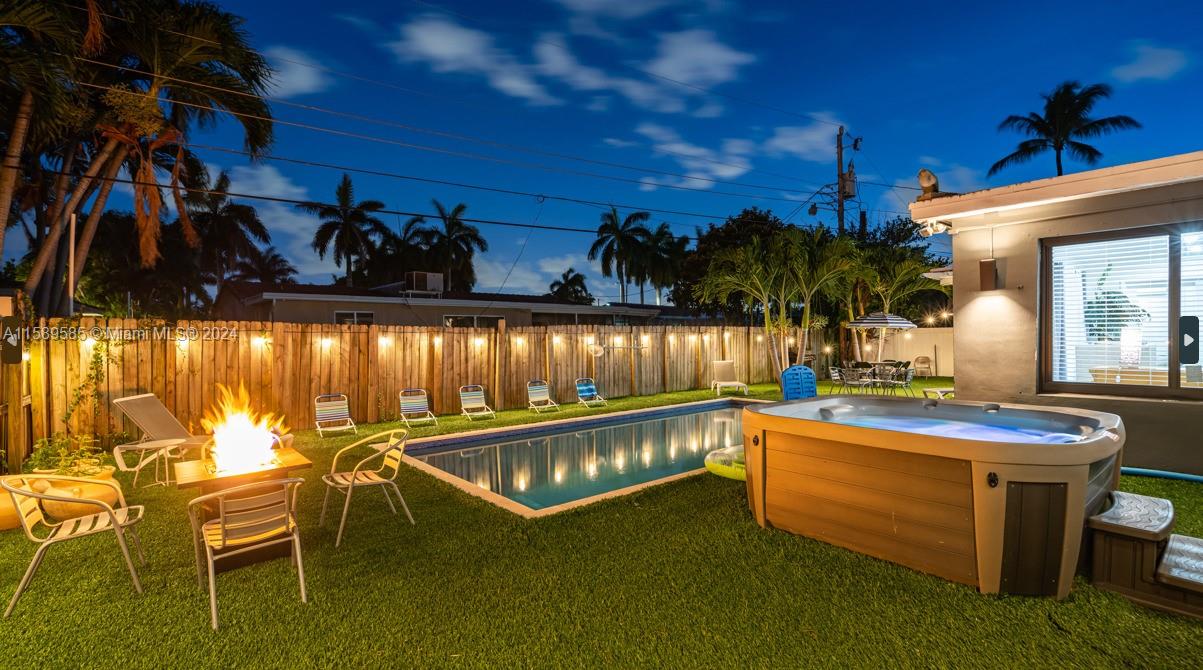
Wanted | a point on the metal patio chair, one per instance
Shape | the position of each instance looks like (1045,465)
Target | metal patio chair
(250,516)
(389,451)
(118,518)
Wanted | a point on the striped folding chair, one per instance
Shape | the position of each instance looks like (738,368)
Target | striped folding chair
(332,413)
(472,402)
(415,407)
(586,393)
(538,396)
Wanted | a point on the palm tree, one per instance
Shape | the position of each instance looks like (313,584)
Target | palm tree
(896,281)
(454,244)
(618,244)
(1062,125)
(669,252)
(347,227)
(228,230)
(266,266)
(571,287)
(817,259)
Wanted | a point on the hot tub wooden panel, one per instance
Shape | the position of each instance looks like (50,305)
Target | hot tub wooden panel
(912,509)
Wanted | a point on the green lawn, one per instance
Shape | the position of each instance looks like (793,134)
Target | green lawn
(674,576)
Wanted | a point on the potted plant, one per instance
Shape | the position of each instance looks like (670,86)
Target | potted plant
(71,456)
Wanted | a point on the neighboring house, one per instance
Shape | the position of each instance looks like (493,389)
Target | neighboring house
(1069,291)
(314,303)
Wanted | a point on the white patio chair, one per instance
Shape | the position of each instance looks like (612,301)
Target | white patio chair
(159,452)
(538,396)
(586,393)
(250,516)
(389,451)
(332,413)
(923,366)
(157,422)
(415,407)
(472,402)
(725,377)
(118,518)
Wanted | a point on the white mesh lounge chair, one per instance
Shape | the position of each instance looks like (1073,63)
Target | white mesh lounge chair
(157,422)
(332,413)
(724,377)
(250,516)
(118,518)
(538,396)
(586,393)
(415,407)
(472,402)
(390,446)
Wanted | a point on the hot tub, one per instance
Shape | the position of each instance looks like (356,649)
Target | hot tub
(994,496)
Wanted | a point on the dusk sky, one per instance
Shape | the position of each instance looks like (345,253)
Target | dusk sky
(925,85)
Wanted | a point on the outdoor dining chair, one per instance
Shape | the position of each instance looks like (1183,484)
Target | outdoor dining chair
(922,366)
(586,393)
(118,518)
(538,396)
(389,451)
(248,517)
(415,407)
(332,413)
(472,402)
(902,381)
(724,377)
(858,379)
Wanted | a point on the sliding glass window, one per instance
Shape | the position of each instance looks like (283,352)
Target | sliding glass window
(1111,308)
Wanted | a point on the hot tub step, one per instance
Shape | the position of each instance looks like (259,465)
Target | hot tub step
(1182,564)
(1136,516)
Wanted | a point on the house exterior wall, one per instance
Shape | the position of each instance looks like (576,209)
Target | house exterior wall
(997,338)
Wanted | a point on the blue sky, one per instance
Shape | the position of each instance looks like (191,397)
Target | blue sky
(925,87)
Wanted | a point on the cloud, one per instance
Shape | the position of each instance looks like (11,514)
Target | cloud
(729,161)
(523,278)
(697,57)
(619,143)
(616,9)
(814,142)
(362,23)
(447,46)
(295,73)
(553,59)
(292,231)
(1150,62)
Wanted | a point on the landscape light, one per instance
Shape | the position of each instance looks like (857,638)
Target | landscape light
(438,339)
(385,340)
(519,340)
(25,356)
(480,341)
(645,338)
(326,342)
(555,339)
(259,340)
(589,340)
(618,340)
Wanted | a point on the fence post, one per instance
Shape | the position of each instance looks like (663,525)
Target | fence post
(500,360)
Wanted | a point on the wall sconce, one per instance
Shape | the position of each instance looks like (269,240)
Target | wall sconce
(326,342)
(693,338)
(645,339)
(672,339)
(480,341)
(988,269)
(555,339)
(25,356)
(760,338)
(519,340)
(438,339)
(618,340)
(385,340)
(589,340)
(259,341)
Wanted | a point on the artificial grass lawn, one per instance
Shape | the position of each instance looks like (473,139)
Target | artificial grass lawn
(674,576)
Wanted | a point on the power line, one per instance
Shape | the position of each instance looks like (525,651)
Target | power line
(452,152)
(471,138)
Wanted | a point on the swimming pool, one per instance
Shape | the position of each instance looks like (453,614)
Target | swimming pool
(575,462)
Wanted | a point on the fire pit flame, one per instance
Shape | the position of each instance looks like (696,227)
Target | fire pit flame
(242,438)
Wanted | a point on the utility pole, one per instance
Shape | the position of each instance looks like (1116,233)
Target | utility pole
(839,180)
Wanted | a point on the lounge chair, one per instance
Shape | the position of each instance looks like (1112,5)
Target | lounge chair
(415,407)
(586,393)
(472,402)
(157,422)
(118,518)
(332,413)
(390,447)
(538,396)
(724,377)
(259,514)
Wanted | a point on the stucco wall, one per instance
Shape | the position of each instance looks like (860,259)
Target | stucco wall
(996,337)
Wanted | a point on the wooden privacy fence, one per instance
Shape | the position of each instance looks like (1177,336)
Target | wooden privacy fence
(70,376)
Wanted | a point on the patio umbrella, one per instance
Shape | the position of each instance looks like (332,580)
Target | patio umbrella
(882,322)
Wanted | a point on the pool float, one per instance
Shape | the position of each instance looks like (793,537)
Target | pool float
(727,462)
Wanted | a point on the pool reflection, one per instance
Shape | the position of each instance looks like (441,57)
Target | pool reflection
(560,468)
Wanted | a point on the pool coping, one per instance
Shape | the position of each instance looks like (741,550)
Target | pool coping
(435,441)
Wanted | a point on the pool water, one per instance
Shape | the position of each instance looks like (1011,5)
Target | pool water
(561,467)
(964,430)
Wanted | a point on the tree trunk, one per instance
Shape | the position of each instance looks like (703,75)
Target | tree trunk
(12,159)
(84,245)
(348,262)
(801,357)
(1059,170)
(50,245)
(61,183)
